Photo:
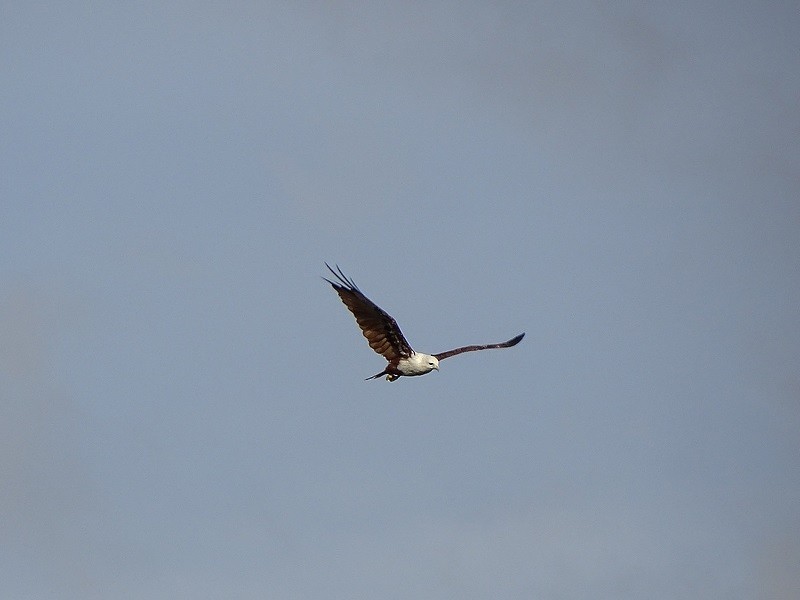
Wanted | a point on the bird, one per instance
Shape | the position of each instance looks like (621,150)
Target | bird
(385,338)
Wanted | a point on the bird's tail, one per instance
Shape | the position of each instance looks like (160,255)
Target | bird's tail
(389,375)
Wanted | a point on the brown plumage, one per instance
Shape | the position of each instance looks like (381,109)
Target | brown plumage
(384,335)
(380,329)
(512,342)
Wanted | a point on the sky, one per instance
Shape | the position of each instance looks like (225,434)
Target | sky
(184,411)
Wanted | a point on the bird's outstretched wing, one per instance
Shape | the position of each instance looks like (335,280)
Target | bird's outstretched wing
(380,329)
(512,342)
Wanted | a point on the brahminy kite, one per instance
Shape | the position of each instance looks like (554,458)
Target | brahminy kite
(385,337)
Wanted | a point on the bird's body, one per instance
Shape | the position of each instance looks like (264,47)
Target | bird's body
(416,364)
(384,335)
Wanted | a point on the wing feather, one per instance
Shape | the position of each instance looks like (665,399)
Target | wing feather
(512,342)
(380,329)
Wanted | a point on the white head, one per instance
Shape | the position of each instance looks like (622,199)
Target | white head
(433,362)
(418,364)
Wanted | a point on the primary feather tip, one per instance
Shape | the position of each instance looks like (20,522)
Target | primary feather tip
(516,340)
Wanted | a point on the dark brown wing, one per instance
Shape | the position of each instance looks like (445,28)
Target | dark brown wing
(380,329)
(512,342)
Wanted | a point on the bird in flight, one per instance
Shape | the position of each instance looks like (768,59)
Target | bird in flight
(385,337)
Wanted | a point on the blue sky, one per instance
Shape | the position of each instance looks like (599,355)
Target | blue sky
(184,411)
